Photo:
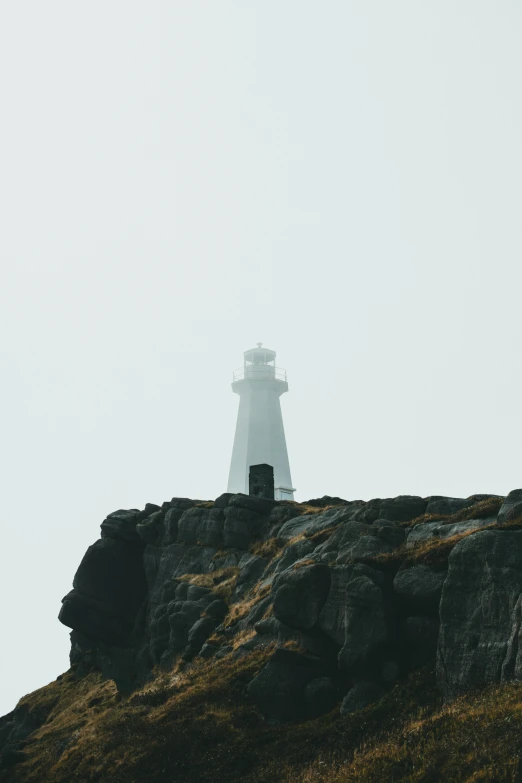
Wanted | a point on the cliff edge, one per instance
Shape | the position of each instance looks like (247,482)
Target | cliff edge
(203,631)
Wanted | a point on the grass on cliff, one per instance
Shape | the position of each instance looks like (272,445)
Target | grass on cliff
(480,510)
(477,738)
(199,725)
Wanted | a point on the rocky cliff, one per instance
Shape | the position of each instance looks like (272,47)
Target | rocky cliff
(336,602)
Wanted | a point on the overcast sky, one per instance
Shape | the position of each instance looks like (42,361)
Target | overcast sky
(180,180)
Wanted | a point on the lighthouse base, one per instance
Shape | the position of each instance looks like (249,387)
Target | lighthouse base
(284,493)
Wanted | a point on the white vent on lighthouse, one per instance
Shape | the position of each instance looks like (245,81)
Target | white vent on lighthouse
(260,435)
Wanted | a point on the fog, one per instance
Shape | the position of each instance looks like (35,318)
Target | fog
(180,180)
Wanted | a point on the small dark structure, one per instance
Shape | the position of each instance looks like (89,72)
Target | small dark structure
(261,481)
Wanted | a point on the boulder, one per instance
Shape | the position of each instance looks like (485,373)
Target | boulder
(223,500)
(199,634)
(511,507)
(208,650)
(389,532)
(365,623)
(292,553)
(201,526)
(320,696)
(327,500)
(251,568)
(279,688)
(122,525)
(299,595)
(332,618)
(367,512)
(360,696)
(427,531)
(172,517)
(421,533)
(241,526)
(283,512)
(438,504)
(403,508)
(217,609)
(108,590)
(151,529)
(419,588)
(466,526)
(345,536)
(478,611)
(311,524)
(365,547)
(261,506)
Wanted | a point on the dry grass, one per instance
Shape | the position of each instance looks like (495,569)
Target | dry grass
(477,738)
(307,510)
(303,563)
(434,552)
(205,504)
(321,535)
(242,637)
(240,609)
(484,508)
(222,582)
(191,726)
(271,548)
(198,724)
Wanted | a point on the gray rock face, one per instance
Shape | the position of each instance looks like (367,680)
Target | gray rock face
(108,590)
(421,533)
(403,508)
(293,553)
(176,560)
(122,525)
(438,504)
(201,526)
(444,505)
(223,500)
(511,507)
(133,605)
(299,595)
(332,618)
(365,547)
(241,526)
(364,621)
(389,532)
(479,612)
(430,530)
(251,569)
(261,506)
(151,529)
(310,524)
(172,517)
(346,536)
(419,588)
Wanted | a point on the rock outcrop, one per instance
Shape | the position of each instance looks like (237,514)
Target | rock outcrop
(349,596)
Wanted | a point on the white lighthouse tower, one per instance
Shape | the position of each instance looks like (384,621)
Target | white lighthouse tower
(260,435)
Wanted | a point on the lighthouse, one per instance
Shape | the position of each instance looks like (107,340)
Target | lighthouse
(260,435)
